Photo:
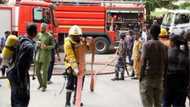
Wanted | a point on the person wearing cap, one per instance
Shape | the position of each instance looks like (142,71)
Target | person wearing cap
(136,56)
(45,44)
(164,37)
(121,61)
(154,65)
(177,76)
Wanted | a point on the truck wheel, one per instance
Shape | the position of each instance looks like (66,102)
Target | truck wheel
(102,45)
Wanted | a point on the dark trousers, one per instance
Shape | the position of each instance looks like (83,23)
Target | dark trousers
(72,82)
(177,99)
(129,53)
(3,69)
(175,92)
(119,70)
(20,94)
(51,66)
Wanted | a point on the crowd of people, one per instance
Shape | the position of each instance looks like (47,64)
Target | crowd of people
(159,60)
(19,52)
(161,64)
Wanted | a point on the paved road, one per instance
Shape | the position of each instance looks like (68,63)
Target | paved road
(107,94)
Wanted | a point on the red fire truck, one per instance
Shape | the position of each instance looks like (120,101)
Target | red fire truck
(15,17)
(101,20)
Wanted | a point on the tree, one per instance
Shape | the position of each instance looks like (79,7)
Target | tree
(150,5)
(184,6)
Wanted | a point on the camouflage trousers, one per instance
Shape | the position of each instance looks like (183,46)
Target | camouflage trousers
(151,91)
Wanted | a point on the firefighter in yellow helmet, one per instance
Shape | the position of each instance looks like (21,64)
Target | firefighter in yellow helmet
(164,37)
(70,61)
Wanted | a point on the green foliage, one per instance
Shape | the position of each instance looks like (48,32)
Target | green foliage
(152,4)
(185,6)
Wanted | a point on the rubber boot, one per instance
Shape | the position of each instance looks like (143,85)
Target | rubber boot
(68,98)
(3,70)
(116,76)
(133,73)
(122,75)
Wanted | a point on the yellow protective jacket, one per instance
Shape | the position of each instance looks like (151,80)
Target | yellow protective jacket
(70,59)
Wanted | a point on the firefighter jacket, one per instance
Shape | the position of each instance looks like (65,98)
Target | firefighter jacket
(70,59)
(44,54)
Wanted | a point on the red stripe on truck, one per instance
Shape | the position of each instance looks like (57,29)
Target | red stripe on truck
(81,8)
(83,15)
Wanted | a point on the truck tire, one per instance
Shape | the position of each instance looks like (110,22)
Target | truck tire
(102,45)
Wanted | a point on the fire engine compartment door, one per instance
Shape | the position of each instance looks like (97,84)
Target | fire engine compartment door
(123,19)
(5,20)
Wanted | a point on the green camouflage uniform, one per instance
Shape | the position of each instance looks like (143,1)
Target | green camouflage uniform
(43,57)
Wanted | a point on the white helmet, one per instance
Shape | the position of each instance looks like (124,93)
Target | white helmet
(75,31)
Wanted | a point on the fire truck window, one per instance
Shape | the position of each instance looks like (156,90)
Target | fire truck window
(38,14)
(46,16)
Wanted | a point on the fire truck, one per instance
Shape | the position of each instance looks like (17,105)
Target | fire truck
(103,20)
(15,17)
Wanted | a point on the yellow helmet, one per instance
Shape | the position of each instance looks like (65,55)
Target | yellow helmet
(163,33)
(75,31)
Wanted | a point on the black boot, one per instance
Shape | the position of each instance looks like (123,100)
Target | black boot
(122,75)
(68,98)
(133,73)
(116,76)
(3,70)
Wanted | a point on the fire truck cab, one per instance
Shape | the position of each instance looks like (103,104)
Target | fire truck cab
(14,17)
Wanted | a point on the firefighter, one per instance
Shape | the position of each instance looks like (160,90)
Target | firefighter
(164,37)
(18,74)
(70,62)
(45,44)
